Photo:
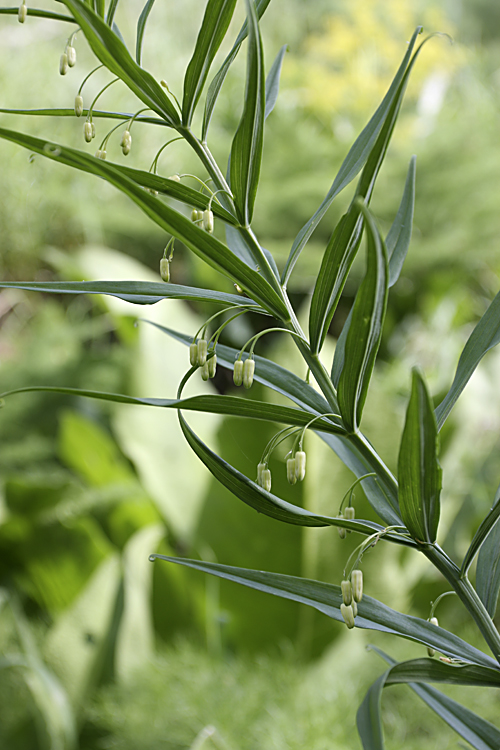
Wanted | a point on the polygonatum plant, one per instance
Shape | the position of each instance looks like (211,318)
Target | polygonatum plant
(407,506)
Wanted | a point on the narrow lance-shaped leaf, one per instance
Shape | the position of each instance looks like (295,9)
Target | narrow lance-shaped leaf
(365,332)
(399,236)
(354,161)
(220,77)
(481,535)
(246,149)
(111,51)
(327,598)
(141,28)
(484,337)
(419,472)
(273,81)
(113,5)
(215,23)
(38,13)
(488,563)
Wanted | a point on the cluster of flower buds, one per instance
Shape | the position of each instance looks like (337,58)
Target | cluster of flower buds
(243,372)
(126,142)
(296,467)
(352,593)
(88,131)
(199,356)
(196,216)
(100,154)
(22,12)
(432,651)
(264,476)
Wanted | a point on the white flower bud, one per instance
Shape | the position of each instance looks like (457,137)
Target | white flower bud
(300,465)
(193,354)
(248,371)
(78,105)
(208,221)
(260,468)
(92,127)
(126,142)
(174,177)
(205,374)
(63,64)
(266,480)
(349,514)
(434,621)
(100,154)
(348,615)
(354,608)
(202,352)
(342,531)
(290,471)
(71,55)
(194,215)
(22,13)
(238,372)
(165,269)
(87,131)
(432,651)
(346,589)
(212,366)
(357,585)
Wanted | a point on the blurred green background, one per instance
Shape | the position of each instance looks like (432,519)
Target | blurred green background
(102,649)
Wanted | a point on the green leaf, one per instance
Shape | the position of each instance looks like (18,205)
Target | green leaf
(141,28)
(137,292)
(480,536)
(205,245)
(419,472)
(216,20)
(327,598)
(355,159)
(96,114)
(365,331)
(111,51)
(246,149)
(488,561)
(399,237)
(37,13)
(484,337)
(113,5)
(273,81)
(220,77)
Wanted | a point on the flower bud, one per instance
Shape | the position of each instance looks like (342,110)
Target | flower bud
(248,371)
(205,374)
(87,131)
(357,585)
(346,589)
(432,651)
(208,221)
(348,615)
(238,372)
(202,352)
(212,366)
(349,514)
(174,177)
(434,621)
(342,531)
(71,55)
(126,142)
(290,471)
(22,13)
(100,154)
(300,465)
(165,269)
(266,480)
(92,127)
(63,64)
(78,105)
(354,608)
(260,468)
(193,354)
(194,215)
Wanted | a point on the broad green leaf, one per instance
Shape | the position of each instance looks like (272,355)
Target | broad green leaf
(419,472)
(37,13)
(365,331)
(480,733)
(398,239)
(141,28)
(355,159)
(273,81)
(484,337)
(481,535)
(327,598)
(205,245)
(220,77)
(212,404)
(488,562)
(246,149)
(216,20)
(137,292)
(111,51)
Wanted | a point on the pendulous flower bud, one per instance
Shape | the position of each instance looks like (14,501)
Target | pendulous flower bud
(202,352)
(300,465)
(71,55)
(92,127)
(290,471)
(87,131)
(342,531)
(212,366)
(346,589)
(194,215)
(238,372)
(432,651)
(126,142)
(165,269)
(100,154)
(349,514)
(260,468)
(22,13)
(63,64)
(348,615)
(266,480)
(208,221)
(248,371)
(354,608)
(193,354)
(205,374)
(78,105)
(357,585)
(174,177)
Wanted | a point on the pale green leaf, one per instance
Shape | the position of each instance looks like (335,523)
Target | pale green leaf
(488,562)
(398,239)
(480,536)
(141,28)
(273,81)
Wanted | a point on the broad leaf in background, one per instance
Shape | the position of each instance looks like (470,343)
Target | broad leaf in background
(365,332)
(488,561)
(246,149)
(480,536)
(216,20)
(484,337)
(419,472)
(141,28)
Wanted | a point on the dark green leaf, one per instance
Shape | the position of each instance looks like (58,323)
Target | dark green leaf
(99,7)
(365,331)
(354,160)
(327,598)
(273,81)
(398,239)
(484,337)
(480,536)
(113,5)
(488,561)
(37,13)
(220,77)
(141,28)
(111,51)
(215,23)
(96,114)
(246,149)
(419,472)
